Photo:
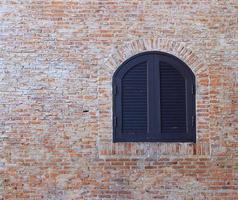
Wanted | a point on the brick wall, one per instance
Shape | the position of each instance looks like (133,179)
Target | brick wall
(57,59)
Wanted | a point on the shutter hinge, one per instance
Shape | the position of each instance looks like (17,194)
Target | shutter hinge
(193,89)
(115,90)
(115,121)
(193,121)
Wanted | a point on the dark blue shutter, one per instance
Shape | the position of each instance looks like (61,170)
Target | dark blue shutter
(134,100)
(172,100)
(130,101)
(154,100)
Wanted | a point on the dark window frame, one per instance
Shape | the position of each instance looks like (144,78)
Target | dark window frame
(190,135)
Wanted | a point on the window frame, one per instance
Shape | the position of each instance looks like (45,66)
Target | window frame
(190,135)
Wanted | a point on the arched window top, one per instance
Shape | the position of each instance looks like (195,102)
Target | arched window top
(177,63)
(154,99)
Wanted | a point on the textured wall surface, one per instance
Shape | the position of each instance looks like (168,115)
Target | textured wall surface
(56,64)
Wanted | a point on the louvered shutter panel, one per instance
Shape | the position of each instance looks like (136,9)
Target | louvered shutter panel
(134,100)
(130,108)
(172,100)
(177,100)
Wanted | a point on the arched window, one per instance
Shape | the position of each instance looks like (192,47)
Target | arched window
(154,100)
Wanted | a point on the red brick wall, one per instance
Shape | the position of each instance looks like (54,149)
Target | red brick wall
(57,59)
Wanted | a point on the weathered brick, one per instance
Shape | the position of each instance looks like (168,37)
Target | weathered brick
(57,59)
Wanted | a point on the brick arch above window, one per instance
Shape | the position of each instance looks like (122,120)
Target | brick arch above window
(121,53)
(109,65)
